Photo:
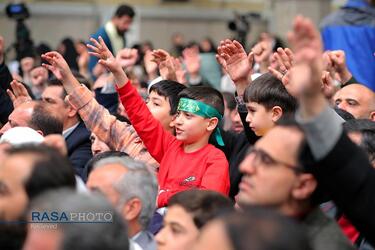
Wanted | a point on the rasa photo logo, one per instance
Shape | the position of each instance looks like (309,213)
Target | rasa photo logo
(71,217)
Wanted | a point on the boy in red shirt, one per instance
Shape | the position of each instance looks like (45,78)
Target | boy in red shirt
(186,161)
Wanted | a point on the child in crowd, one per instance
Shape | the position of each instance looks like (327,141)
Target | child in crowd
(187,160)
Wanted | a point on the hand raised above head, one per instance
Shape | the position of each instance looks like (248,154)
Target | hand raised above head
(57,65)
(127,57)
(100,50)
(165,63)
(308,63)
(234,59)
(18,94)
(282,63)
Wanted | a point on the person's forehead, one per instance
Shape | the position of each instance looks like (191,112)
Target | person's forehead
(280,142)
(254,105)
(108,173)
(38,70)
(154,94)
(178,215)
(126,18)
(54,92)
(354,91)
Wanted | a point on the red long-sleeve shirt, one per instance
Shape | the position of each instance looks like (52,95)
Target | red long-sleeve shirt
(206,168)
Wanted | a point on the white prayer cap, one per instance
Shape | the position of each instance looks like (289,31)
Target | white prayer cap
(21,135)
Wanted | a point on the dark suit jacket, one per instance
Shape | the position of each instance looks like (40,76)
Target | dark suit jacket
(6,106)
(79,148)
(348,177)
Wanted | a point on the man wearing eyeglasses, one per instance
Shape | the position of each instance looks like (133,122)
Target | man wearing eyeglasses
(274,177)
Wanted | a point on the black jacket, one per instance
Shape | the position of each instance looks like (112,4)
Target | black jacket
(349,179)
(79,148)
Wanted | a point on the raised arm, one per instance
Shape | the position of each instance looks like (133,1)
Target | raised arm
(342,168)
(148,128)
(233,58)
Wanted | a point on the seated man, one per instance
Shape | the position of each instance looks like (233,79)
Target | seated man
(76,135)
(132,188)
(274,177)
(35,115)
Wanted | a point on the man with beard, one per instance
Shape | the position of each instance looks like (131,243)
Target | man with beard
(114,30)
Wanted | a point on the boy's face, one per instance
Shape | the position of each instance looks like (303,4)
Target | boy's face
(159,107)
(259,118)
(190,128)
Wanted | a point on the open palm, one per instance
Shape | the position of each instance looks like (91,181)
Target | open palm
(101,51)
(232,56)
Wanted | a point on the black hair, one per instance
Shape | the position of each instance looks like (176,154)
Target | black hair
(169,89)
(124,10)
(43,120)
(50,170)
(203,205)
(205,94)
(70,53)
(230,100)
(90,164)
(262,228)
(367,130)
(269,91)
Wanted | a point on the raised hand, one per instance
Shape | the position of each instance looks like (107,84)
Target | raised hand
(282,62)
(338,60)
(307,70)
(165,64)
(18,94)
(328,86)
(60,68)
(180,71)
(262,53)
(101,51)
(150,66)
(127,57)
(106,58)
(57,65)
(233,58)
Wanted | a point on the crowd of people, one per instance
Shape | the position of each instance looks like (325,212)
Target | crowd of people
(199,147)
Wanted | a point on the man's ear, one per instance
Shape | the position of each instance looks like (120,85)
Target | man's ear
(372,116)
(304,187)
(40,132)
(212,124)
(72,112)
(132,209)
(277,112)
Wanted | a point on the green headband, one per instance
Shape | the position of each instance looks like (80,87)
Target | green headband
(204,110)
